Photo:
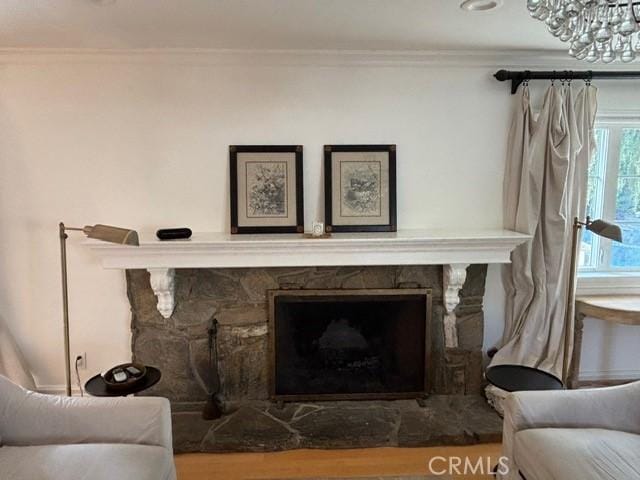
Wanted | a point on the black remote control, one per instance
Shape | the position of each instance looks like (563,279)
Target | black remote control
(173,233)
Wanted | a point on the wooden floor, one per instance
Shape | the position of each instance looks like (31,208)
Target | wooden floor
(325,463)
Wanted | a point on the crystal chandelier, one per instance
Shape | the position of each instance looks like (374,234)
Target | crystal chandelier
(596,30)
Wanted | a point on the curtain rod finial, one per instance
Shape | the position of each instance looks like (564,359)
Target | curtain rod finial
(501,75)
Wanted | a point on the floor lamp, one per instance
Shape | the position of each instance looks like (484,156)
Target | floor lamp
(602,229)
(106,233)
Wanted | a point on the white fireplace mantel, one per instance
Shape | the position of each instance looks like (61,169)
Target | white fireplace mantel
(406,247)
(454,249)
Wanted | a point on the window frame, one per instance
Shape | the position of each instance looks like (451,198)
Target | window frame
(603,278)
(603,173)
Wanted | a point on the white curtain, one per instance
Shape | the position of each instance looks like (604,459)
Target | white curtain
(12,362)
(545,187)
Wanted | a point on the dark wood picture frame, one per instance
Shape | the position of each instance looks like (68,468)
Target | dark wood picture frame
(391,226)
(299,188)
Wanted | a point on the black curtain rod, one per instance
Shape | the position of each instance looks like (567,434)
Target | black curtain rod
(517,77)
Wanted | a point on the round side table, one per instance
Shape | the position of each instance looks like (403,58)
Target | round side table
(517,378)
(97,387)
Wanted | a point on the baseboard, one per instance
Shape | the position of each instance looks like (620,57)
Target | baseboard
(57,390)
(595,375)
(585,376)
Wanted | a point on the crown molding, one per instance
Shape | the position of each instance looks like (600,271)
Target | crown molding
(509,59)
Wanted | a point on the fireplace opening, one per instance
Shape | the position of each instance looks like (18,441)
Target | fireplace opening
(349,344)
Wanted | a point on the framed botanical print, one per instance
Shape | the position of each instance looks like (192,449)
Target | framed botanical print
(360,188)
(266,189)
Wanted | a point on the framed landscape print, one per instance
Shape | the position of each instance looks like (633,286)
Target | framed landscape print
(360,188)
(266,189)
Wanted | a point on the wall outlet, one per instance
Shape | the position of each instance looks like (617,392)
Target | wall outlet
(82,361)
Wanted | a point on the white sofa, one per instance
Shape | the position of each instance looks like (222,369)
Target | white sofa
(47,437)
(588,434)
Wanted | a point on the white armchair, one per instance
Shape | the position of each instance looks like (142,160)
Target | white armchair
(573,434)
(47,437)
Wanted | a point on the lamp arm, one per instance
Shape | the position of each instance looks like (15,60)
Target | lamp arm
(586,223)
(77,229)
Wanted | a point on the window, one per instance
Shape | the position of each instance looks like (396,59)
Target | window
(614,195)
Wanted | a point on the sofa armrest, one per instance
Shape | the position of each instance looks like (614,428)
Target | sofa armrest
(614,408)
(29,418)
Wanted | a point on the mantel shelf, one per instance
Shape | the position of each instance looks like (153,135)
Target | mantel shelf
(455,250)
(406,247)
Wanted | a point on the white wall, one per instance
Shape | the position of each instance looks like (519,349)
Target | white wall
(143,143)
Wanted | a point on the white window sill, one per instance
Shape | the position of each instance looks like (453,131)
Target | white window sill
(608,283)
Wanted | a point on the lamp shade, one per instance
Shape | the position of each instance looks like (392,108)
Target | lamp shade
(605,229)
(107,233)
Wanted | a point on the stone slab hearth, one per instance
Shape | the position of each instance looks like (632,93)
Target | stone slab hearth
(455,413)
(262,426)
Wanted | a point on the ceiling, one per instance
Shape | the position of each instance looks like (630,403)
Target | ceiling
(269,24)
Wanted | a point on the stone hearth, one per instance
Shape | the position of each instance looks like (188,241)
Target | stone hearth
(261,426)
(455,413)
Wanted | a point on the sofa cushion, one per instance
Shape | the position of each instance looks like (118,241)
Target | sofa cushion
(577,453)
(86,461)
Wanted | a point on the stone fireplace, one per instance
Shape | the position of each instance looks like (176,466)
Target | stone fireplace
(413,391)
(239,299)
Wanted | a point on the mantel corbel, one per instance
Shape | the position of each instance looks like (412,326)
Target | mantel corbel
(163,285)
(453,278)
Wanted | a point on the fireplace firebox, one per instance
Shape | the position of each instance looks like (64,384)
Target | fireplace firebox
(349,344)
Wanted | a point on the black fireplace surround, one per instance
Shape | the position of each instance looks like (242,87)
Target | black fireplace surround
(349,344)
